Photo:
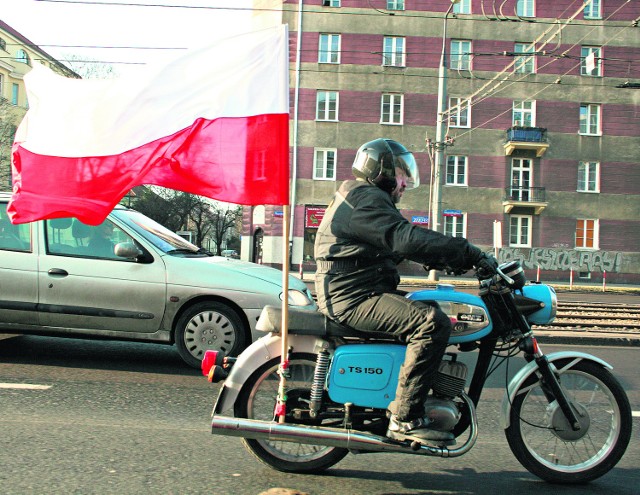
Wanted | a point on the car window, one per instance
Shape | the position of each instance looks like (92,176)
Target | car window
(71,237)
(13,237)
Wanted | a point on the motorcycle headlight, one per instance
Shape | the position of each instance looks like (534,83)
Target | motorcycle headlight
(298,298)
(546,295)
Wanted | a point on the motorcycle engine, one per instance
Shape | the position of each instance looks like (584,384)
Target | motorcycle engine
(449,382)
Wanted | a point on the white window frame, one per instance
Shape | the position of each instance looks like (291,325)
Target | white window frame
(462,7)
(585,51)
(394,55)
(392,105)
(596,233)
(588,177)
(459,110)
(331,101)
(332,54)
(455,226)
(521,110)
(395,4)
(460,58)
(526,8)
(458,164)
(518,222)
(593,10)
(22,56)
(524,64)
(588,113)
(321,163)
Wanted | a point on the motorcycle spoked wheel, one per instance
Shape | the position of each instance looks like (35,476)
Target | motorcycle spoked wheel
(257,401)
(544,443)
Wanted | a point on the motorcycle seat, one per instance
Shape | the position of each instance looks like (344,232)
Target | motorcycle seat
(306,322)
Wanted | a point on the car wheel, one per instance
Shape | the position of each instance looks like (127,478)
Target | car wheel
(209,325)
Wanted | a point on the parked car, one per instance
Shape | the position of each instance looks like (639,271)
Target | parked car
(230,253)
(130,278)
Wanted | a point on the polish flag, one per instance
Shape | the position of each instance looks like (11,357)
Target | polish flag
(214,122)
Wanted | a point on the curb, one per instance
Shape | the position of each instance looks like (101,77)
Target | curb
(588,338)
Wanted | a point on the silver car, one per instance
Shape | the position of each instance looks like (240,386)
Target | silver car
(130,278)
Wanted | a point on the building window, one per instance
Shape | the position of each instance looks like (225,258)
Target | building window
(329,49)
(593,10)
(462,7)
(591,61)
(525,8)
(393,51)
(327,105)
(392,109)
(589,177)
(331,3)
(590,119)
(15,93)
(456,170)
(395,4)
(455,226)
(459,112)
(524,113)
(3,44)
(521,179)
(520,231)
(324,164)
(586,234)
(524,64)
(21,56)
(460,55)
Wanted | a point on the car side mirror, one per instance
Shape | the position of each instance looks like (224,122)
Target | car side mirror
(128,250)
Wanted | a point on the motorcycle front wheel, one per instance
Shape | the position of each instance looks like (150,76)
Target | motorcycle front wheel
(257,400)
(544,443)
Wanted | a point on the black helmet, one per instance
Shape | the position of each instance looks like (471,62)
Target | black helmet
(376,162)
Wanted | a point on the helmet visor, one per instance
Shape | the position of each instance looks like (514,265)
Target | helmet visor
(407,165)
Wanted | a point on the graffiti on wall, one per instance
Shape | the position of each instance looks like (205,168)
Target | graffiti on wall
(563,259)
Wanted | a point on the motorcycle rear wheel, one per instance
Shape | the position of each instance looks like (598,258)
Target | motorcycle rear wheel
(544,443)
(257,401)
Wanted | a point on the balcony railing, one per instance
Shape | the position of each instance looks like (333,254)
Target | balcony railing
(526,138)
(525,197)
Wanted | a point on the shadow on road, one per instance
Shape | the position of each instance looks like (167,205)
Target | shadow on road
(93,354)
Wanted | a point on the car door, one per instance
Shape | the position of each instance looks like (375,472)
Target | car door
(18,274)
(84,287)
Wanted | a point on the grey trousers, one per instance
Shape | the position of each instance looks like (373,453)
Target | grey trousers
(424,329)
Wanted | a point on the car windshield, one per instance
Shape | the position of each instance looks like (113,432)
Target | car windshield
(158,235)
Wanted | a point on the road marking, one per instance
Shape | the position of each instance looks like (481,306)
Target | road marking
(635,414)
(24,386)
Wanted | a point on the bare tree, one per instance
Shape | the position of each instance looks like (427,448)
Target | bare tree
(88,69)
(225,221)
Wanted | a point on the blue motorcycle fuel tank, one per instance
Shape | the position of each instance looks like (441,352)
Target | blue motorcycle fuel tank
(468,313)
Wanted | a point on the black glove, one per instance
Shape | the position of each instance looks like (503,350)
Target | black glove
(486,266)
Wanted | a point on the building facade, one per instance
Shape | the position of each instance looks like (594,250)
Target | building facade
(17,56)
(540,134)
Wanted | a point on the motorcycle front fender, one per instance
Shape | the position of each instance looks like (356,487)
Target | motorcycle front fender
(261,351)
(531,368)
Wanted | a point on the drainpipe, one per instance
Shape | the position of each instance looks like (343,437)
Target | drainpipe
(294,159)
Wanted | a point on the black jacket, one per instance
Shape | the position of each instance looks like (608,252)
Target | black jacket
(362,238)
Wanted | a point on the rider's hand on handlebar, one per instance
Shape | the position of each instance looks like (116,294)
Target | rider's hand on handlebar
(486,266)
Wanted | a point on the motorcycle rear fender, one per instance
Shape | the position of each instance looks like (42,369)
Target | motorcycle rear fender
(261,351)
(530,368)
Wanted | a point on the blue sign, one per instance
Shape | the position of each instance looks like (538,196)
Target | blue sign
(420,220)
(278,213)
(451,213)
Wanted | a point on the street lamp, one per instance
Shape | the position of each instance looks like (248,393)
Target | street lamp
(441,128)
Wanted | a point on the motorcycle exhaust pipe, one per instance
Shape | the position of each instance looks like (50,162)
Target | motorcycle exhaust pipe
(332,437)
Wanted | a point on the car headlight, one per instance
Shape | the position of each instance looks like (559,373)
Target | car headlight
(298,298)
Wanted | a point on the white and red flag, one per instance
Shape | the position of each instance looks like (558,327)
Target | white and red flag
(213,122)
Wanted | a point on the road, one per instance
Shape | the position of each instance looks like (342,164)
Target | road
(123,418)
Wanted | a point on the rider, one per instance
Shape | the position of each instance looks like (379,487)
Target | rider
(361,239)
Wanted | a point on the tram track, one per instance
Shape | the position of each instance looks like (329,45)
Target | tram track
(603,317)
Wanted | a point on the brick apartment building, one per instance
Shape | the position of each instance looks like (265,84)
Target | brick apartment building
(541,132)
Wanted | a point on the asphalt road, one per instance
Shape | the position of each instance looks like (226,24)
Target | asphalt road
(123,418)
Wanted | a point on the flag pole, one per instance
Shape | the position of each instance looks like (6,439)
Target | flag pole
(284,333)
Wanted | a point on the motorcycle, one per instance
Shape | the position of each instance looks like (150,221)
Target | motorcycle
(566,418)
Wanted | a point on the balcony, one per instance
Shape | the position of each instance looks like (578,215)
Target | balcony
(525,199)
(526,138)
